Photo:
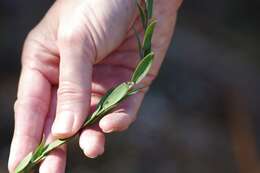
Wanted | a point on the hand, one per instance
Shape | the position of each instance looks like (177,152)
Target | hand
(77,52)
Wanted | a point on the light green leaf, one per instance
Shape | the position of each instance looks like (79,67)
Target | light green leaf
(112,98)
(24,163)
(99,115)
(108,109)
(116,95)
(101,102)
(143,68)
(39,150)
(53,145)
(147,44)
(149,4)
(108,102)
(90,119)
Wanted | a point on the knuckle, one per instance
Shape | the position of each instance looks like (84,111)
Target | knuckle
(71,92)
(28,52)
(28,58)
(36,105)
(71,37)
(32,49)
(68,37)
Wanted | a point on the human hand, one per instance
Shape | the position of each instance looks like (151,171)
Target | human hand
(83,48)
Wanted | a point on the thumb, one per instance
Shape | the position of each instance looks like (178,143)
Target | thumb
(73,96)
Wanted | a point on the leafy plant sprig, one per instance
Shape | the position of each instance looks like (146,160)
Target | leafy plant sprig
(113,97)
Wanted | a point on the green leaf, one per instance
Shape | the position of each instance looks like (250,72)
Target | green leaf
(101,102)
(142,15)
(108,102)
(147,44)
(99,115)
(143,68)
(24,163)
(149,4)
(105,107)
(116,95)
(90,119)
(52,146)
(39,150)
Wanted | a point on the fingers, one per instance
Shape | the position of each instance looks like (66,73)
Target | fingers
(74,86)
(116,122)
(122,117)
(31,109)
(55,162)
(92,142)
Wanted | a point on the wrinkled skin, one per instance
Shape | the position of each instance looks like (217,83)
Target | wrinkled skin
(79,50)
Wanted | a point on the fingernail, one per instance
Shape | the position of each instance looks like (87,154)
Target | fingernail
(108,130)
(64,123)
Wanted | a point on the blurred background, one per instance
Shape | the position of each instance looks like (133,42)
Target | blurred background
(202,113)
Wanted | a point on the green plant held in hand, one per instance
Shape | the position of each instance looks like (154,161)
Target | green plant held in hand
(113,97)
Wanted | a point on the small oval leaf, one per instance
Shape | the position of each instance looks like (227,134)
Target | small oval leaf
(52,146)
(39,150)
(96,113)
(24,163)
(147,43)
(101,102)
(143,68)
(116,95)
